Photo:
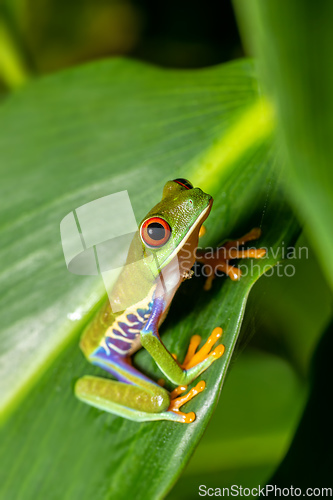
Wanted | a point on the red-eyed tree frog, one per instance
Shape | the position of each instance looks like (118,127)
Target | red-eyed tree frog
(169,233)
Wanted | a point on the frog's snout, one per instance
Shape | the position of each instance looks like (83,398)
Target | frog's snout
(206,199)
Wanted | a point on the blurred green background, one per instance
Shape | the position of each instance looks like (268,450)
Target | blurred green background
(268,381)
(47,36)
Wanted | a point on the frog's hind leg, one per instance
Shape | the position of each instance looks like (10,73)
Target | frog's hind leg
(126,400)
(136,397)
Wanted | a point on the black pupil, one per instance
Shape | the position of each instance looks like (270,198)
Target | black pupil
(156,231)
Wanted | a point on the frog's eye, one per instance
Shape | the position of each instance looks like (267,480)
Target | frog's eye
(184,182)
(155,232)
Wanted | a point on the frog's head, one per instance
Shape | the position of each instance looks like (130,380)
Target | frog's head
(169,225)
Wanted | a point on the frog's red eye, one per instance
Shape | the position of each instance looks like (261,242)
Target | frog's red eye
(155,232)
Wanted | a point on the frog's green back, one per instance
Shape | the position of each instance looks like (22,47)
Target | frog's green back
(181,207)
(134,284)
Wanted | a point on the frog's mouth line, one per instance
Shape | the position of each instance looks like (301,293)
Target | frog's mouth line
(202,217)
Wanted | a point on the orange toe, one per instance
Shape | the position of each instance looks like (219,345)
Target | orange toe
(201,355)
(177,402)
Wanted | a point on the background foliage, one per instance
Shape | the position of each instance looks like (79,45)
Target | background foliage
(80,134)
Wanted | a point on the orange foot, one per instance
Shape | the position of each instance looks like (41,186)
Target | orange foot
(230,250)
(193,358)
(177,402)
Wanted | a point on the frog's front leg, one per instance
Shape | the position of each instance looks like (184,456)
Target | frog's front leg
(219,259)
(135,397)
(195,362)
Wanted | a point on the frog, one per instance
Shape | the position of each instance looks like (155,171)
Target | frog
(165,245)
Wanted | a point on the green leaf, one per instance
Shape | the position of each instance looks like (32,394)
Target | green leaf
(69,139)
(294,48)
(251,429)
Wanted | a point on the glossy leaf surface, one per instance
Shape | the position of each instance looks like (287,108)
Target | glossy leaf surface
(72,138)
